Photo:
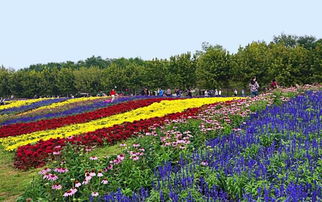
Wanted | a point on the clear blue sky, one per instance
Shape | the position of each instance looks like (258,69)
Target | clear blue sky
(42,31)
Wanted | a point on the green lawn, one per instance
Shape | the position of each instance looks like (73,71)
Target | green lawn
(12,181)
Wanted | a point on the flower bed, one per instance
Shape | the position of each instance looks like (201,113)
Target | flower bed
(19,103)
(42,103)
(67,101)
(142,118)
(47,114)
(275,156)
(25,128)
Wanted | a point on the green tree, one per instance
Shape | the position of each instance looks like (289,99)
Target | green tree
(213,68)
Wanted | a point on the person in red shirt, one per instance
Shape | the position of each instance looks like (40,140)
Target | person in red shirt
(274,84)
(113,94)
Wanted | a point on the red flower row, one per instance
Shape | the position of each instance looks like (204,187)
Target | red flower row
(37,155)
(23,128)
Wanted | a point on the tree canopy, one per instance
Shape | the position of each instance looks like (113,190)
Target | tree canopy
(289,59)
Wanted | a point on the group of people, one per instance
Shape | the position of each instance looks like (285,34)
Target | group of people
(253,87)
(160,92)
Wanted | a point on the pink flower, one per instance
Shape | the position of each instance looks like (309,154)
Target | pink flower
(182,147)
(93,158)
(109,167)
(78,184)
(94,194)
(104,181)
(44,171)
(56,153)
(136,145)
(85,181)
(92,174)
(135,158)
(88,177)
(204,163)
(167,144)
(88,149)
(50,177)
(70,192)
(121,157)
(61,170)
(99,174)
(117,161)
(122,145)
(56,186)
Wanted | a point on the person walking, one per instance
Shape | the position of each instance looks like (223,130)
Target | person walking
(235,92)
(168,92)
(206,93)
(113,94)
(189,93)
(253,87)
(160,92)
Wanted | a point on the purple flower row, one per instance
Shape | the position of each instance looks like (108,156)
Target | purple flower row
(31,106)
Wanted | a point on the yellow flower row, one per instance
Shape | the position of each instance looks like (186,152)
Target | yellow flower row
(19,103)
(154,110)
(59,104)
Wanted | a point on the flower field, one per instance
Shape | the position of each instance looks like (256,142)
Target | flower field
(265,148)
(91,120)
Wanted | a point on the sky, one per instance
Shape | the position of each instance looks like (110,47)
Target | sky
(42,31)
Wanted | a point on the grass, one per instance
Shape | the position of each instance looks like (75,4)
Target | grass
(13,182)
(102,152)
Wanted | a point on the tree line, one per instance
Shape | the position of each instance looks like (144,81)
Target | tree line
(289,59)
